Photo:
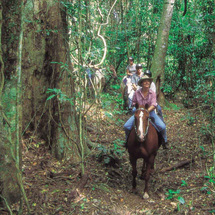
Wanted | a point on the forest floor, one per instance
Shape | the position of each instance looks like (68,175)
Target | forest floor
(55,187)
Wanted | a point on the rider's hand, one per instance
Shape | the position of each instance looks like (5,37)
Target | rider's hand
(134,87)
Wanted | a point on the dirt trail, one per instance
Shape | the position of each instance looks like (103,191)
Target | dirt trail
(55,188)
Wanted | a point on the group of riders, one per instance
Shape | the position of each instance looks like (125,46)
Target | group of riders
(143,91)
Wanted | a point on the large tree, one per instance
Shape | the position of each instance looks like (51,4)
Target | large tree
(12,188)
(46,65)
(34,57)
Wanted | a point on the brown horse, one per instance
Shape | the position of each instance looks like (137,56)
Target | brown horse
(143,142)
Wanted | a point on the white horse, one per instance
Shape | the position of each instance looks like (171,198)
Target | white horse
(94,80)
(126,88)
(97,82)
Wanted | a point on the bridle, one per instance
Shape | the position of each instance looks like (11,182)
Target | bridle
(147,128)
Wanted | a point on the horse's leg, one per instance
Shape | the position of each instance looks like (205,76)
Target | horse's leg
(149,165)
(96,89)
(91,88)
(134,172)
(152,167)
(97,85)
(99,90)
(143,170)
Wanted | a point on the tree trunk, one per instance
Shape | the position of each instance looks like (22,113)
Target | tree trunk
(45,57)
(10,155)
(48,67)
(158,61)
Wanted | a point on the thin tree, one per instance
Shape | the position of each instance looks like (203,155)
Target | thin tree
(18,152)
(158,61)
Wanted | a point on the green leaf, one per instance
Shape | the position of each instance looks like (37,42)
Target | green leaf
(26,20)
(211,180)
(107,160)
(184,183)
(50,97)
(204,188)
(181,200)
(202,148)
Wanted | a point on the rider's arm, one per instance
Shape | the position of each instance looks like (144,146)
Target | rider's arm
(134,82)
(151,108)
(127,71)
(153,102)
(134,87)
(134,100)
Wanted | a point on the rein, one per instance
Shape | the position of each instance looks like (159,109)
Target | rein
(147,128)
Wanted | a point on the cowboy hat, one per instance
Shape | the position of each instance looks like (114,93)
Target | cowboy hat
(145,77)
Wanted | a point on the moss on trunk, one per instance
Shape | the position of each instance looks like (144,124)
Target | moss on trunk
(46,51)
(9,184)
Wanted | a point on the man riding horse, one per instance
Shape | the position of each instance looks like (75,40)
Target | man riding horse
(131,68)
(134,81)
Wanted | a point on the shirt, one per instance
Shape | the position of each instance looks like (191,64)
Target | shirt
(139,99)
(131,68)
(153,87)
(135,78)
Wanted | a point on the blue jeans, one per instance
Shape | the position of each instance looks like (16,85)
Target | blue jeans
(157,121)
(159,111)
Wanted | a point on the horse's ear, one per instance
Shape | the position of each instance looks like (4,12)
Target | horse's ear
(146,106)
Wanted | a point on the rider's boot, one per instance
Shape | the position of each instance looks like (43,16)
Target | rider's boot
(165,145)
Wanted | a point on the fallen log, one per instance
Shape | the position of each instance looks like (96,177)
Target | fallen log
(178,165)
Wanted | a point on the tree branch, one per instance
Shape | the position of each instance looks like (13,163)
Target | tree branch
(178,165)
(100,36)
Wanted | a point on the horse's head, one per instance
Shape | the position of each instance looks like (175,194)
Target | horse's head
(141,122)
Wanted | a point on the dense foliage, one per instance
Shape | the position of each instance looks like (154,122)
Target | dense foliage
(132,29)
(36,49)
